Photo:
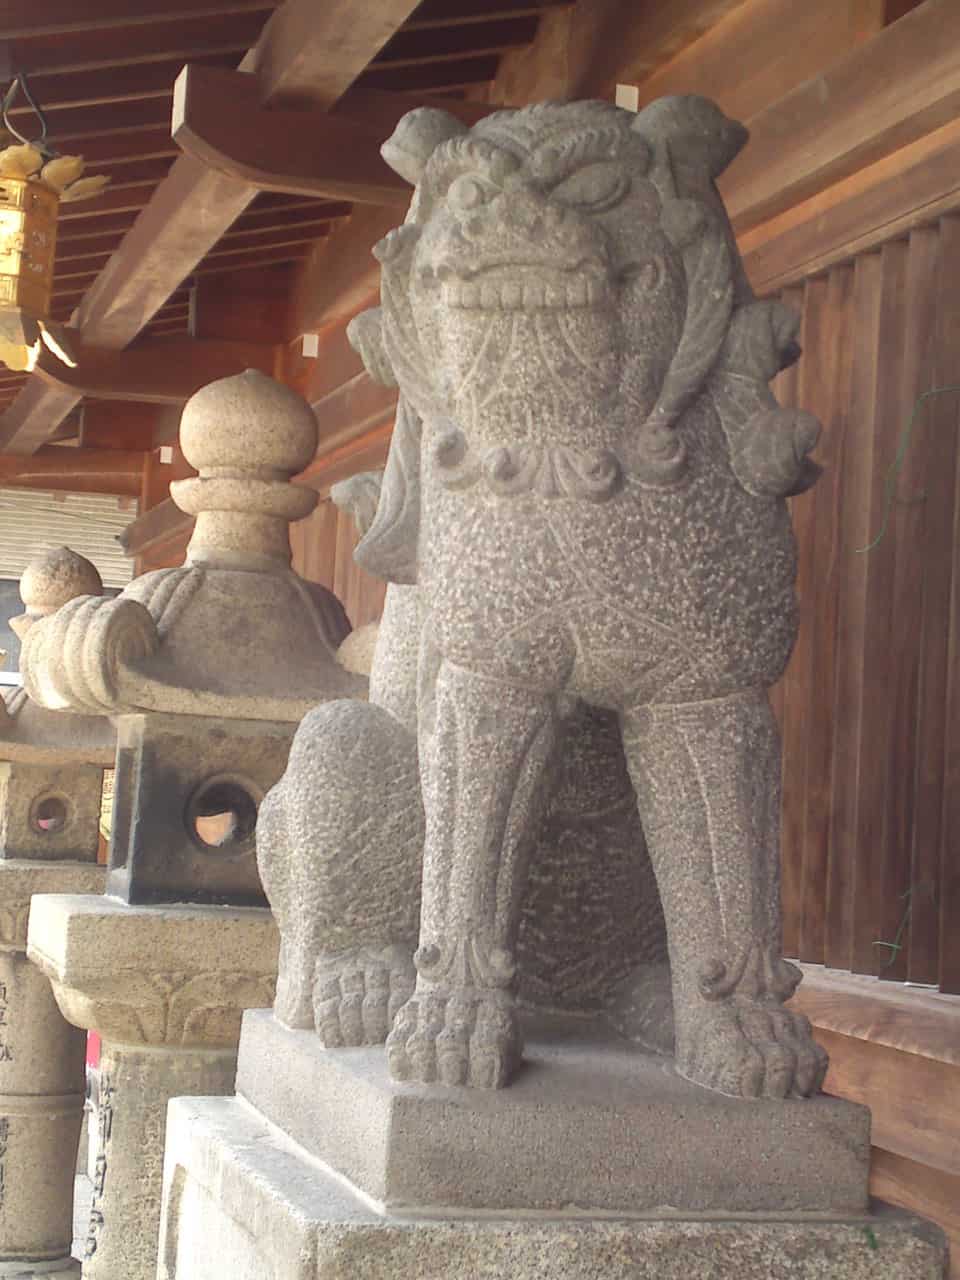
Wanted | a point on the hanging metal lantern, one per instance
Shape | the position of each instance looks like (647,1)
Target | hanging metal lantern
(33,182)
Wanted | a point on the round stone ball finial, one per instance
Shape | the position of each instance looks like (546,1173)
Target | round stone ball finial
(246,436)
(56,576)
(248,423)
(50,580)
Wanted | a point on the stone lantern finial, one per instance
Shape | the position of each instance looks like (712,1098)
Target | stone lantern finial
(243,498)
(50,580)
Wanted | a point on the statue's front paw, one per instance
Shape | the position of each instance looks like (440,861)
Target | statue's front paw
(460,1037)
(356,994)
(750,1048)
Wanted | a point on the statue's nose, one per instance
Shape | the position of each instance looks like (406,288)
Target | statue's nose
(530,212)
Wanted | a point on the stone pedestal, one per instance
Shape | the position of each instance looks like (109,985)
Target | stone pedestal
(41,1083)
(51,780)
(599,1163)
(165,988)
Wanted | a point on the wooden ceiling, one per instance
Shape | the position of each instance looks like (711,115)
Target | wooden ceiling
(103,72)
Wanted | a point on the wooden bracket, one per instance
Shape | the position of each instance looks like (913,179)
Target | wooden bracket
(157,371)
(219,119)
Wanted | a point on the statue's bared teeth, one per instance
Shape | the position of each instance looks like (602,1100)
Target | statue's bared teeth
(515,295)
(577,293)
(533,294)
(555,295)
(511,295)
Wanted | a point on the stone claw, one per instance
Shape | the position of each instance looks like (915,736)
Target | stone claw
(751,1048)
(356,995)
(466,1038)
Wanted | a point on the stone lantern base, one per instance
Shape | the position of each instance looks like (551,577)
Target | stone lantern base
(165,987)
(597,1162)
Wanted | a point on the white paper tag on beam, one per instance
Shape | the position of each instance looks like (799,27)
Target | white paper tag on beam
(628,97)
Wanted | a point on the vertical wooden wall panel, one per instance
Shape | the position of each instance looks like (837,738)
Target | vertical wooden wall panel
(870,706)
(876,887)
(909,920)
(950,824)
(785,709)
(855,465)
(314,544)
(939,423)
(827,347)
(799,700)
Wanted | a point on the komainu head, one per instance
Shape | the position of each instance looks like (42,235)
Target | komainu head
(565,269)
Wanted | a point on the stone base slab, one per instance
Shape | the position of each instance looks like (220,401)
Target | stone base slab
(591,1122)
(164,975)
(241,1200)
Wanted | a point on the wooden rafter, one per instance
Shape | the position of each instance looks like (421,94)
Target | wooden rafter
(306,55)
(167,372)
(23,18)
(218,119)
(583,50)
(899,86)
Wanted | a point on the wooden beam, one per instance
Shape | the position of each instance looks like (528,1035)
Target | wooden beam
(131,425)
(914,186)
(161,523)
(888,92)
(446,77)
(68,90)
(126,200)
(895,1050)
(762,49)
(582,52)
(75,470)
(341,274)
(23,19)
(411,48)
(445,13)
(310,56)
(155,371)
(306,54)
(361,453)
(218,119)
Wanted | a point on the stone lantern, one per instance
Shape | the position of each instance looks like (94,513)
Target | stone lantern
(51,778)
(206,671)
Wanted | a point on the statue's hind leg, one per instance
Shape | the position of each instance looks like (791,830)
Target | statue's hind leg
(482,761)
(707,776)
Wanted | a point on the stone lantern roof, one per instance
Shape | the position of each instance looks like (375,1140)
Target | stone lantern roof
(234,632)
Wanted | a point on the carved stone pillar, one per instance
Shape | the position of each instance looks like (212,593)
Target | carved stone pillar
(51,775)
(165,988)
(206,670)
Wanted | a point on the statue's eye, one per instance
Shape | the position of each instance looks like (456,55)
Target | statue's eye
(595,187)
(467,192)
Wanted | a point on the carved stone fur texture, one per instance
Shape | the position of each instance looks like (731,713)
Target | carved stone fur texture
(340,849)
(586,482)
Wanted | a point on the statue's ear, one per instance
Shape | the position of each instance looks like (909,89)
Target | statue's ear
(389,547)
(694,130)
(415,139)
(365,335)
(359,496)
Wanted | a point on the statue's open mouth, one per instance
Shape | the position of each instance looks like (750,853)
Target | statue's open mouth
(526,287)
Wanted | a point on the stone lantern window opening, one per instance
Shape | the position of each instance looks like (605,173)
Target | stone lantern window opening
(50,814)
(222,814)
